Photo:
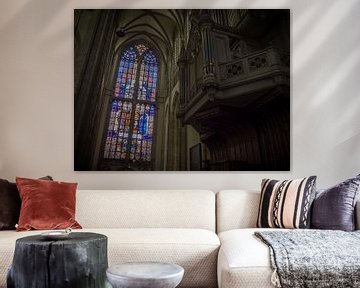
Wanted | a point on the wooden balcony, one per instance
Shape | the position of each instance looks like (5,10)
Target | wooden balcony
(239,82)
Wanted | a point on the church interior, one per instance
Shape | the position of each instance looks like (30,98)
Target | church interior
(182,90)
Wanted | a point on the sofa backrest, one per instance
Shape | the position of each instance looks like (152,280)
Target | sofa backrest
(146,209)
(239,209)
(236,209)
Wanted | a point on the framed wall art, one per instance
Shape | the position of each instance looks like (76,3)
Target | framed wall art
(161,90)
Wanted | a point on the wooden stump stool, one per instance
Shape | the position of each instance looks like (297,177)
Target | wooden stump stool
(78,261)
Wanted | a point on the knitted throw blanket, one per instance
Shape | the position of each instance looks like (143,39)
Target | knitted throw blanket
(313,258)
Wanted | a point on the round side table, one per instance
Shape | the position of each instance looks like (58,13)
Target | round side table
(145,275)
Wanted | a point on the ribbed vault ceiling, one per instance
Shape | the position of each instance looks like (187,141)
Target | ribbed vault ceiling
(157,25)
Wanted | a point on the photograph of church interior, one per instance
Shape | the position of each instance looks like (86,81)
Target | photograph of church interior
(182,89)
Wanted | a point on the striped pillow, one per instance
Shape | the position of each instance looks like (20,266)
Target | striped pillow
(286,204)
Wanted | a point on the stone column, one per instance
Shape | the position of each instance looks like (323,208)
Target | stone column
(208,49)
(182,63)
(88,97)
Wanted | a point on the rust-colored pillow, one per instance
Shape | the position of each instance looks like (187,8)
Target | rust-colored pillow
(46,204)
(10,204)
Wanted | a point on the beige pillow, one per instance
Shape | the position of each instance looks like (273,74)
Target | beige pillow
(286,204)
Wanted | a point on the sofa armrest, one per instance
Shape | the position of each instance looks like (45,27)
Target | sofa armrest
(357,215)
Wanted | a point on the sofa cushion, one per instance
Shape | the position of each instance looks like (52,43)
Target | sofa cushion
(194,249)
(46,204)
(244,261)
(334,208)
(146,209)
(286,204)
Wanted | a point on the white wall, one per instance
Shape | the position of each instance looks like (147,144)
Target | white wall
(36,94)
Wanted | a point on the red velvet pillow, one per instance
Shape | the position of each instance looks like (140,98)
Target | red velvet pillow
(10,204)
(46,204)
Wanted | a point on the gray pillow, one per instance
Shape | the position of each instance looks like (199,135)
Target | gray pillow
(334,208)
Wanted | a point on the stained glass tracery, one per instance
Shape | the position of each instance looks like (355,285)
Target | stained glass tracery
(148,77)
(125,82)
(141,48)
(131,125)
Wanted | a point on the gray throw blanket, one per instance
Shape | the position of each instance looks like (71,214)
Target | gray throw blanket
(314,258)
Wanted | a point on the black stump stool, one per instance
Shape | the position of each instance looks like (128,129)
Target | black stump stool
(79,261)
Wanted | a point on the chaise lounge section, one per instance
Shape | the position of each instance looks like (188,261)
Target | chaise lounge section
(244,260)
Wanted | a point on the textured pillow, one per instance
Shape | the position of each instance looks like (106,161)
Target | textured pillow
(334,208)
(46,204)
(10,204)
(286,204)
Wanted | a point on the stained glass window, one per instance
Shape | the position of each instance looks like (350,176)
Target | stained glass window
(130,131)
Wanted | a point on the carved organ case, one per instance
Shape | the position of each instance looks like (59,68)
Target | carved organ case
(235,87)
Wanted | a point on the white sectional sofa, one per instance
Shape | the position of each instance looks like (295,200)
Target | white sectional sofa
(177,226)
